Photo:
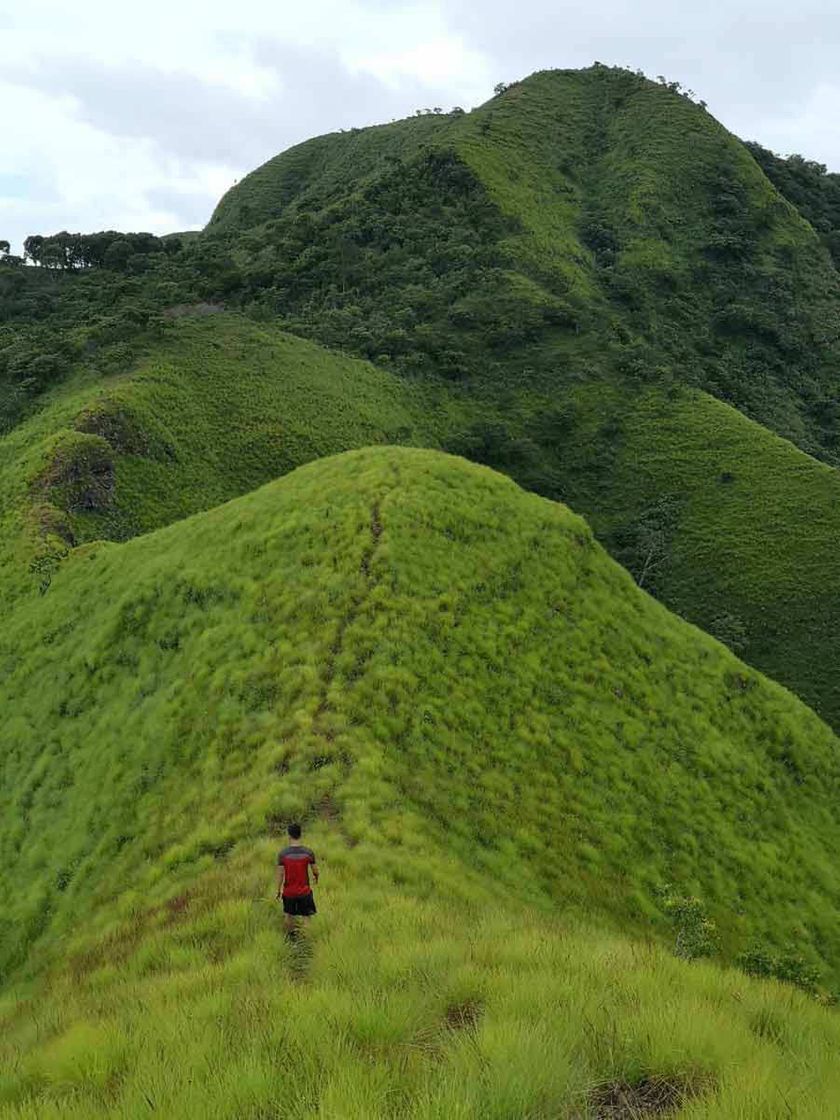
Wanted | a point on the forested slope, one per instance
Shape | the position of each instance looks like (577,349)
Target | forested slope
(577,207)
(535,281)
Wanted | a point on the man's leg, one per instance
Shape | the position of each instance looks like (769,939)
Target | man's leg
(292,924)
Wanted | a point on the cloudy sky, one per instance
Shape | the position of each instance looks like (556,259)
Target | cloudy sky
(138,116)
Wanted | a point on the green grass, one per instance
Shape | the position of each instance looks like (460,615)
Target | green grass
(754,536)
(551,275)
(650,235)
(507,756)
(320,168)
(496,741)
(225,405)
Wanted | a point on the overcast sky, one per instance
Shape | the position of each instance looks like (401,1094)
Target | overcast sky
(139,116)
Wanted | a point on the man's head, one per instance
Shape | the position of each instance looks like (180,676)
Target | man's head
(294,831)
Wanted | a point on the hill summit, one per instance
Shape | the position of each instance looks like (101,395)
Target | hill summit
(446,679)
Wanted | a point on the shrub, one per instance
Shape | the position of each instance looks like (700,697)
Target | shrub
(790,967)
(696,933)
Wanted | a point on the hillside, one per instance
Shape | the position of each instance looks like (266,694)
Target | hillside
(218,407)
(244,582)
(579,217)
(810,187)
(450,681)
(716,516)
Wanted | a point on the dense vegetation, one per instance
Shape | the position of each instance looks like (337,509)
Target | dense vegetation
(813,190)
(579,220)
(455,687)
(93,301)
(708,510)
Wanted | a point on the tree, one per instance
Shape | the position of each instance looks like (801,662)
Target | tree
(5,248)
(32,247)
(117,254)
(643,546)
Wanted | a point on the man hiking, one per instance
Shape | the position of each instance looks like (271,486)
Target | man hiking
(293,887)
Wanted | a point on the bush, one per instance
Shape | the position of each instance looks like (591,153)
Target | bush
(790,967)
(696,933)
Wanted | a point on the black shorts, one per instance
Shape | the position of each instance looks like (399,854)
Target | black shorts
(303,906)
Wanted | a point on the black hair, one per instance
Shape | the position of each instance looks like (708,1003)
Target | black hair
(294,831)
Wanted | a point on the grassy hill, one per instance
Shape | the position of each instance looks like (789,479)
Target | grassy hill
(588,249)
(579,216)
(218,407)
(466,701)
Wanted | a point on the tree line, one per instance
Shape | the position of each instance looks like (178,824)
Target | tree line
(75,252)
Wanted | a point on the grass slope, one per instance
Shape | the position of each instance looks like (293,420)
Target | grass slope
(466,1006)
(218,407)
(450,681)
(736,500)
(547,273)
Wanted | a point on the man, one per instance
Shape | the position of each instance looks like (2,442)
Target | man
(293,887)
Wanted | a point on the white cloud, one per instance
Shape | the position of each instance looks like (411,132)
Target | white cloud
(807,126)
(139,116)
(756,62)
(80,177)
(133,127)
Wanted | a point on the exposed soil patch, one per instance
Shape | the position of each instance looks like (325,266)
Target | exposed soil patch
(276,823)
(328,810)
(193,310)
(49,520)
(375,522)
(464,1016)
(301,954)
(178,904)
(375,534)
(80,475)
(114,425)
(649,1096)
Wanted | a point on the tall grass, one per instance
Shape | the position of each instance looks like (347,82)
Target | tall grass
(462,1005)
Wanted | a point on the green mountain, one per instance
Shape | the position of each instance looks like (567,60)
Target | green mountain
(527,780)
(469,705)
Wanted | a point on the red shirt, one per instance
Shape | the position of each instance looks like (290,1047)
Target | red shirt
(295,861)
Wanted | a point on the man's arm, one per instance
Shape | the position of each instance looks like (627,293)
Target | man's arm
(279,879)
(314,866)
